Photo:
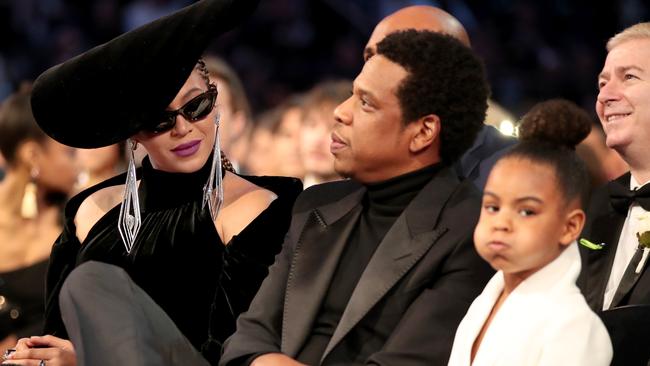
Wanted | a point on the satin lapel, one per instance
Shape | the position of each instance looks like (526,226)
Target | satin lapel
(623,291)
(605,228)
(405,243)
(393,258)
(315,258)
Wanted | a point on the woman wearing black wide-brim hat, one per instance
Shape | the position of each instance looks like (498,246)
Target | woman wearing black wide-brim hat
(193,235)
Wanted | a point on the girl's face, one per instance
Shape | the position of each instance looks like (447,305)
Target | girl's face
(186,147)
(525,221)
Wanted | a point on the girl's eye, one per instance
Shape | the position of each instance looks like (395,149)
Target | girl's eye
(526,212)
(491,208)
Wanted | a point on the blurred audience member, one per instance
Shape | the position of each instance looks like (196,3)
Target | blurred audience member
(259,160)
(275,141)
(316,130)
(235,125)
(40,174)
(604,164)
(99,164)
(286,138)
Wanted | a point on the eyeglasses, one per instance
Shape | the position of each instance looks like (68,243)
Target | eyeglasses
(195,110)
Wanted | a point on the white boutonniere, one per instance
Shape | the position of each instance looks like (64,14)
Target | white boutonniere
(643,236)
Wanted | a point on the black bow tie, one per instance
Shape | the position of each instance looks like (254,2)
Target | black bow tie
(621,197)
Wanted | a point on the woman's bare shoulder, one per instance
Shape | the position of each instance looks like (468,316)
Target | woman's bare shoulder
(243,202)
(94,207)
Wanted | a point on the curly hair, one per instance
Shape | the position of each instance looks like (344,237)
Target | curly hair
(445,78)
(548,135)
(558,120)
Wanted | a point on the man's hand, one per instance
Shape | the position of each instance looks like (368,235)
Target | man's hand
(275,359)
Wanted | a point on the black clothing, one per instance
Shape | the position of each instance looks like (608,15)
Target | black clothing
(21,309)
(625,319)
(113,322)
(178,258)
(382,204)
(410,298)
(622,197)
(477,162)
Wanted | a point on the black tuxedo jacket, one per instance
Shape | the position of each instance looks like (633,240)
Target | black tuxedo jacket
(604,225)
(409,300)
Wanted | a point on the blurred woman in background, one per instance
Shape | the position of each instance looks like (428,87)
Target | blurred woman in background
(235,111)
(100,164)
(40,173)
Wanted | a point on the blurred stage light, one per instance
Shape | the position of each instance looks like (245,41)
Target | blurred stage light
(507,128)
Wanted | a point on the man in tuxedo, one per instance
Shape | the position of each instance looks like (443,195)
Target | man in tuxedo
(612,273)
(490,144)
(380,268)
(614,278)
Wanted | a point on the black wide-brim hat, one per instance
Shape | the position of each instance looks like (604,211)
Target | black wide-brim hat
(117,89)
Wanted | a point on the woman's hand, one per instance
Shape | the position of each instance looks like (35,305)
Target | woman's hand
(7,343)
(52,350)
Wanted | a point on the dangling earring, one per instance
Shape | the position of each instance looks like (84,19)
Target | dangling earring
(130,220)
(29,206)
(213,189)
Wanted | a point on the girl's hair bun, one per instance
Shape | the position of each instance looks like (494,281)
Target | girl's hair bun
(556,121)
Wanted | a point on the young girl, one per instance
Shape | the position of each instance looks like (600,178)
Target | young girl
(531,312)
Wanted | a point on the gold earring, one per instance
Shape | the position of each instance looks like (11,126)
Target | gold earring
(29,206)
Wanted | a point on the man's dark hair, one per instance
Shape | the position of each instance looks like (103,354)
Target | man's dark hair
(445,78)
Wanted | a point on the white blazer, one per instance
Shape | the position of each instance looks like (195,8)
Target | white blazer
(544,321)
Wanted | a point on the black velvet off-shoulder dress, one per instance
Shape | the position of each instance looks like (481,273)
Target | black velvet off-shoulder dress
(178,258)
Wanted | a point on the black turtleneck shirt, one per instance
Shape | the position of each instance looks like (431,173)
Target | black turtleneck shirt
(383,203)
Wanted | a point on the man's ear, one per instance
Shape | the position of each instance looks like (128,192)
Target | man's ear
(574,222)
(427,131)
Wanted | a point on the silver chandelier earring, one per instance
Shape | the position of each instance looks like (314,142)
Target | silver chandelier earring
(130,220)
(213,189)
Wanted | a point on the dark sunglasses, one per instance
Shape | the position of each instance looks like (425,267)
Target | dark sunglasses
(194,110)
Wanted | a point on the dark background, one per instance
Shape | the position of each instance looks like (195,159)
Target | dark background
(534,50)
